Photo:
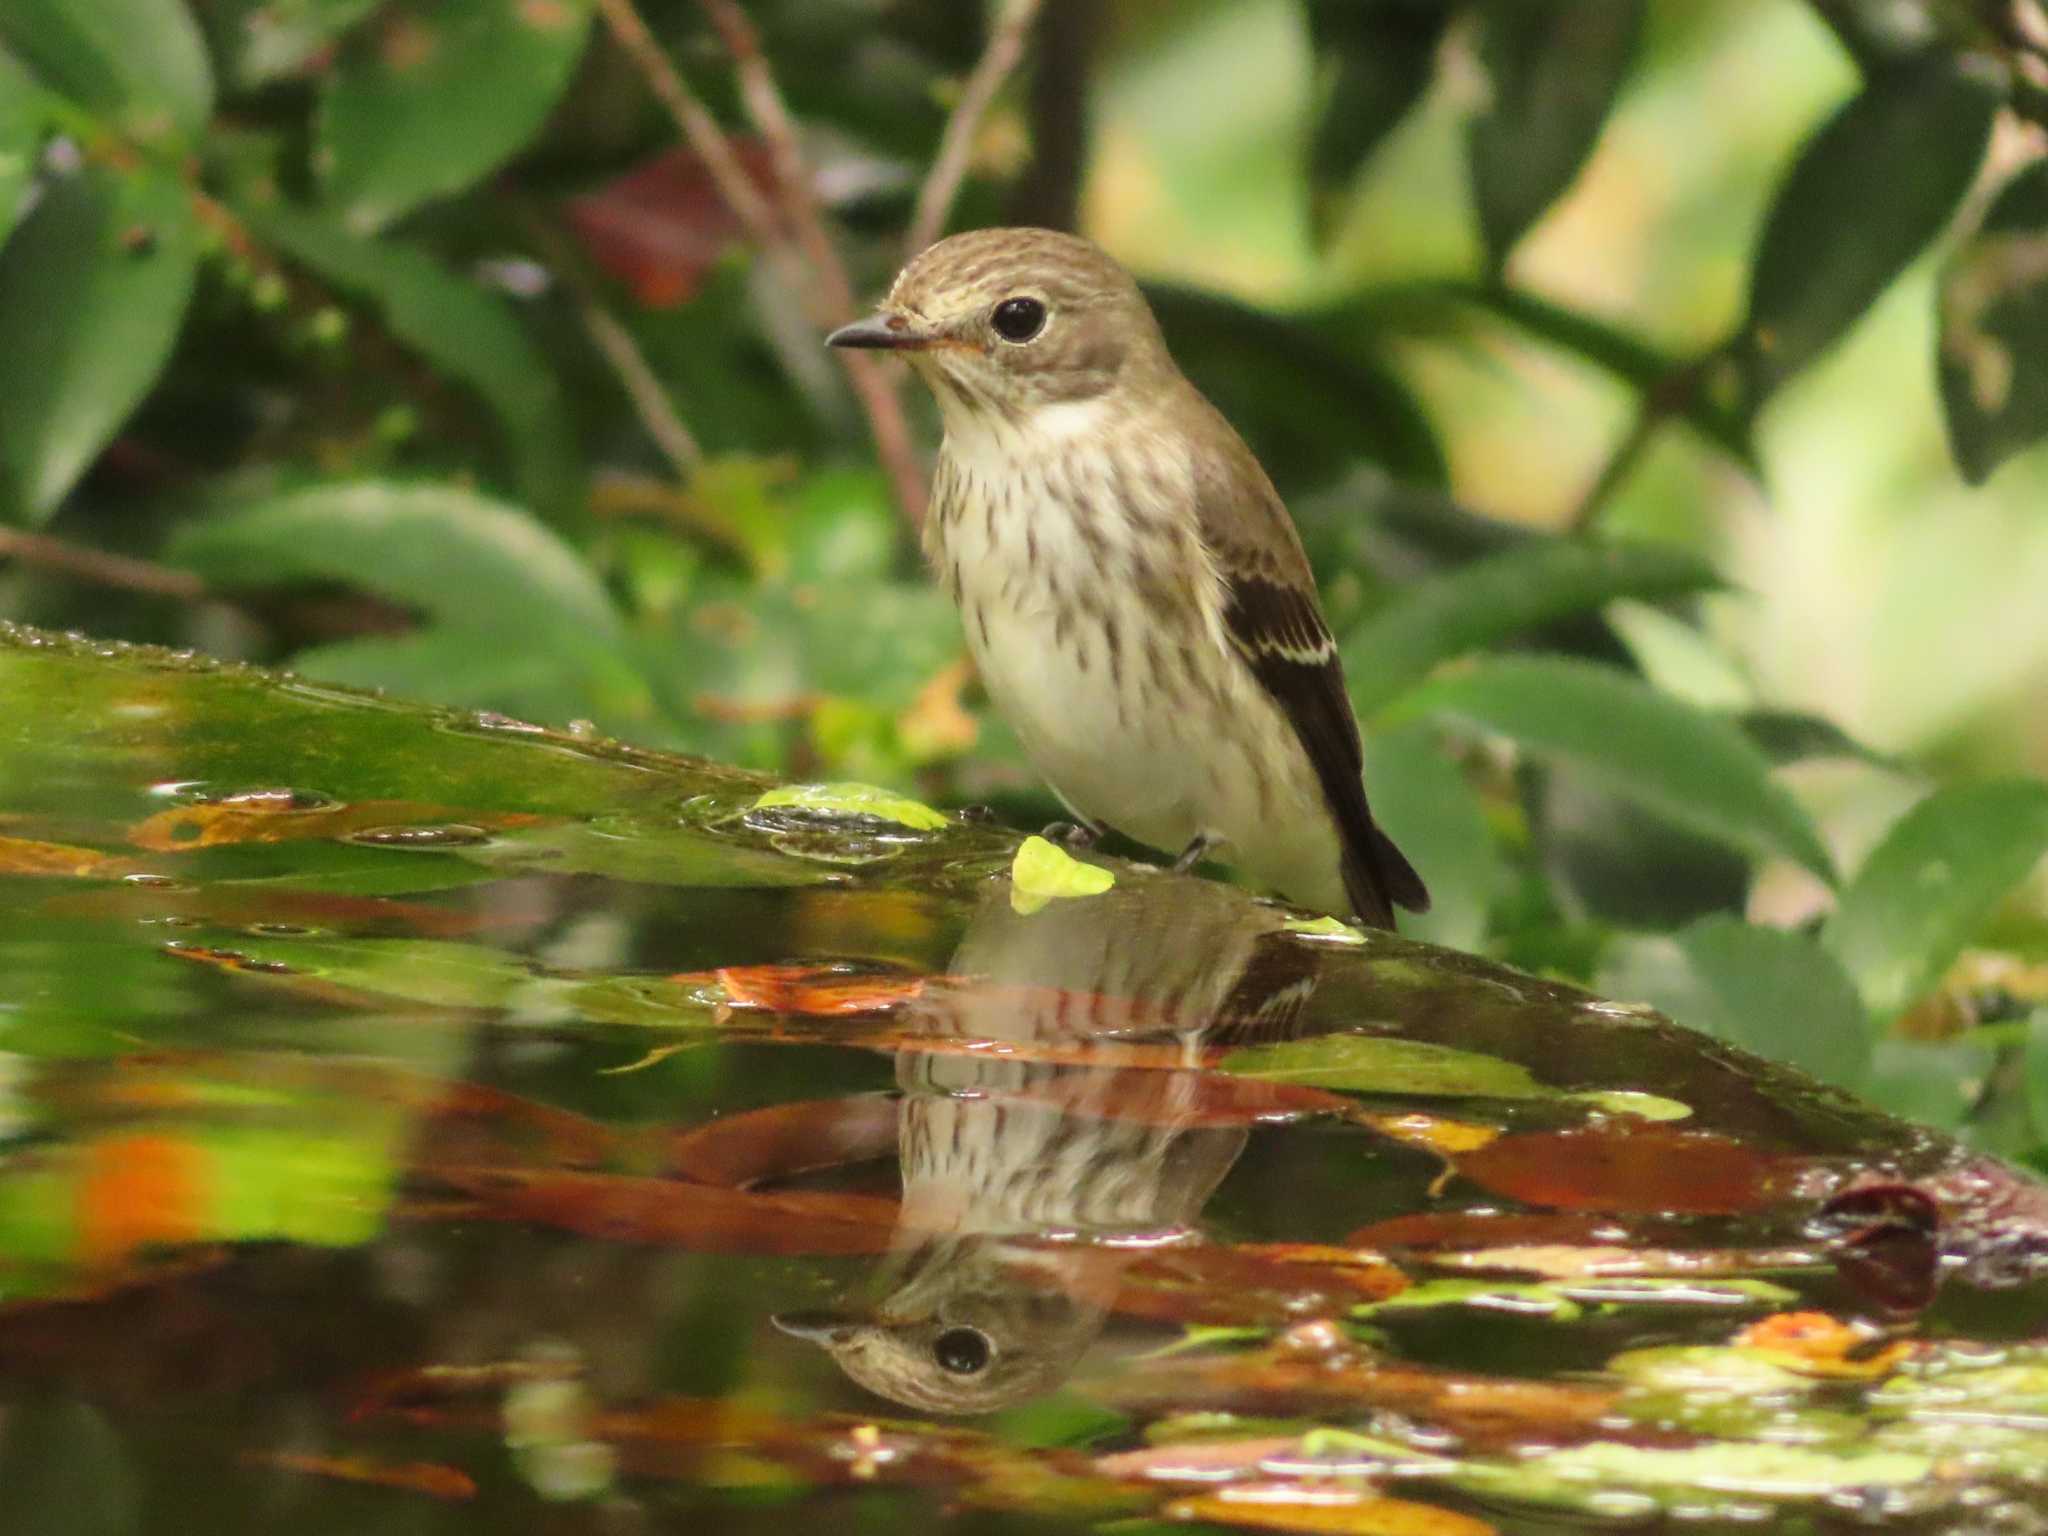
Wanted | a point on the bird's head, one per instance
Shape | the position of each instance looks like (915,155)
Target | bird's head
(1003,322)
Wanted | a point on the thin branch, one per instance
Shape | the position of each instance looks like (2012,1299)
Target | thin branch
(650,400)
(99,567)
(700,129)
(1003,53)
(1669,397)
(770,116)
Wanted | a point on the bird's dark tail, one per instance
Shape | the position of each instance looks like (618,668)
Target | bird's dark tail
(1378,878)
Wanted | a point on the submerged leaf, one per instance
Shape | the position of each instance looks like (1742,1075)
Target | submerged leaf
(848,799)
(1323,1510)
(1380,1064)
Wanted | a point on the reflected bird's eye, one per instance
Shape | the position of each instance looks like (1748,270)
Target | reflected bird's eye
(1018,320)
(963,1351)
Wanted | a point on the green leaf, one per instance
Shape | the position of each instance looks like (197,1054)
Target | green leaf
(516,617)
(466,332)
(1696,769)
(1994,330)
(1869,190)
(1044,872)
(1421,798)
(2037,1075)
(1380,56)
(24,119)
(1382,1064)
(1791,736)
(855,800)
(141,62)
(1776,993)
(1502,595)
(436,94)
(1927,888)
(1552,73)
(93,289)
(264,40)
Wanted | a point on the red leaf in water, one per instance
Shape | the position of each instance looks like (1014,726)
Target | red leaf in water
(1612,1168)
(513,1129)
(1323,1509)
(1886,1240)
(816,991)
(428,1477)
(662,226)
(762,1145)
(1252,1283)
(698,1218)
(1453,1231)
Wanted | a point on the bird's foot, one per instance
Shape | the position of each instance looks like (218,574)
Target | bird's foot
(1199,848)
(1073,835)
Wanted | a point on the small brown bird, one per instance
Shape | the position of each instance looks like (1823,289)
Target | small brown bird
(1133,591)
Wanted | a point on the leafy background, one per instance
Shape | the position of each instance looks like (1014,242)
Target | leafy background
(1658,385)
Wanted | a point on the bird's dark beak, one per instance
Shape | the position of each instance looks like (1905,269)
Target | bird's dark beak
(893,332)
(818,1327)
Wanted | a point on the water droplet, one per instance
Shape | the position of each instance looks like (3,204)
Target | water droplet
(158,882)
(454,834)
(280,931)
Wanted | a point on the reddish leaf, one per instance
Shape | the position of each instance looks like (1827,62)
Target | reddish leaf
(699,1218)
(662,226)
(809,991)
(142,1190)
(1323,1509)
(1254,1283)
(1616,1168)
(511,1128)
(1438,1231)
(427,1477)
(762,1145)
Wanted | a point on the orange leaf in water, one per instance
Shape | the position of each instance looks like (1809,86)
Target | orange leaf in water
(1253,1283)
(761,1145)
(283,815)
(1815,1344)
(817,990)
(141,1190)
(1433,1133)
(1323,1510)
(428,1477)
(1616,1168)
(25,856)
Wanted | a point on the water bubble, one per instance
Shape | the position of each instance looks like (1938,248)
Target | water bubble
(454,834)
(158,882)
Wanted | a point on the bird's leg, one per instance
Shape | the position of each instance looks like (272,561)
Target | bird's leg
(1199,848)
(1073,835)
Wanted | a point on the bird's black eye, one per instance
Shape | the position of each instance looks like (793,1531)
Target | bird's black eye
(963,1351)
(1018,319)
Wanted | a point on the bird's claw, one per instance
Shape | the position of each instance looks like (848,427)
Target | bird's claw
(1072,835)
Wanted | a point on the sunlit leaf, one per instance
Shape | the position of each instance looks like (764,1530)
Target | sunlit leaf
(1501,596)
(1581,1473)
(1926,889)
(438,92)
(1551,74)
(1043,873)
(1693,768)
(141,62)
(853,800)
(463,329)
(1868,191)
(1994,330)
(1631,1101)
(263,40)
(1779,994)
(93,289)
(1382,1064)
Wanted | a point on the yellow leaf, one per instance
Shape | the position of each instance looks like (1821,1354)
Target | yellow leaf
(1043,872)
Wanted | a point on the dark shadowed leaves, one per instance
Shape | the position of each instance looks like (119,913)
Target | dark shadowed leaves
(1379,56)
(1776,993)
(1994,330)
(1552,72)
(1500,596)
(1930,884)
(93,289)
(437,93)
(464,330)
(1866,194)
(140,62)
(263,40)
(1691,767)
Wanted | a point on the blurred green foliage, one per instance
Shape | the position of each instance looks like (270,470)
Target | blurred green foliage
(396,339)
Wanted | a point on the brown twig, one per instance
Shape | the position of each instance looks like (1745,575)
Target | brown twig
(99,567)
(1666,399)
(771,119)
(650,400)
(1003,53)
(808,265)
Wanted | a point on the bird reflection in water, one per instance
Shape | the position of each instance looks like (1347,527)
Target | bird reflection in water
(1031,1180)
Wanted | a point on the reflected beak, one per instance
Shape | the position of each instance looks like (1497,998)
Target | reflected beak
(883,330)
(820,1327)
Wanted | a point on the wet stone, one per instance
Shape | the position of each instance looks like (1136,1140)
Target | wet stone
(658,1159)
